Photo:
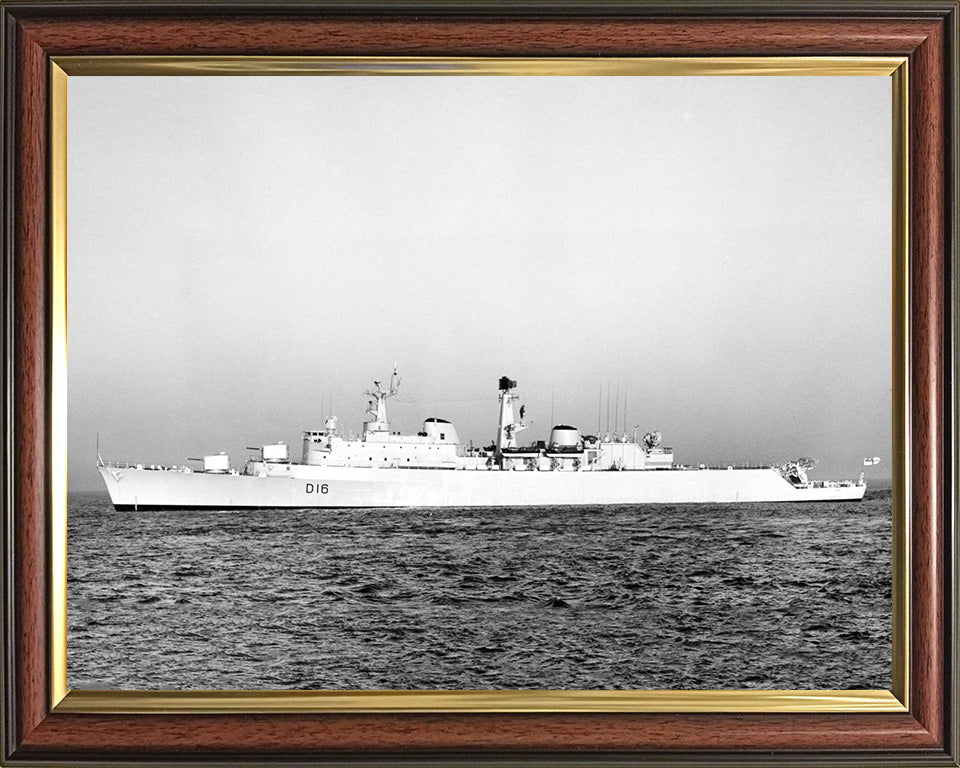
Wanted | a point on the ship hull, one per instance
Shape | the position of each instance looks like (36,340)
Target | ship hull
(303,486)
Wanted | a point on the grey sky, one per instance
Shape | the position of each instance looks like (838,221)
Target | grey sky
(719,248)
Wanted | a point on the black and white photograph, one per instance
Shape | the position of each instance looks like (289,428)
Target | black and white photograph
(479,383)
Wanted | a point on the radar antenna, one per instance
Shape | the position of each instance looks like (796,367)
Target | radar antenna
(508,426)
(378,405)
(796,471)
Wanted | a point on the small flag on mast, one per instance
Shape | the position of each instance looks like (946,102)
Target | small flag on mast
(870,462)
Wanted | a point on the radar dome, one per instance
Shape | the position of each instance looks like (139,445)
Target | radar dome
(566,437)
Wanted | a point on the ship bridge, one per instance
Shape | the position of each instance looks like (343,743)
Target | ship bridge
(437,444)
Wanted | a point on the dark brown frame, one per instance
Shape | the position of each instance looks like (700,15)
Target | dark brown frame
(926,32)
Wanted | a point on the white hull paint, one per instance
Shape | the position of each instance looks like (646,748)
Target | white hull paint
(304,486)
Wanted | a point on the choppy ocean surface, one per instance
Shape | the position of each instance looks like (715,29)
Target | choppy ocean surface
(671,596)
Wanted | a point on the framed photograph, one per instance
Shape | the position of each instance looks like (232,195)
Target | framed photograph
(462,383)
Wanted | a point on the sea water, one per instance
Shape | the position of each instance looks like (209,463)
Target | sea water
(630,597)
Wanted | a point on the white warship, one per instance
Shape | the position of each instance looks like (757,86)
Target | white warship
(433,468)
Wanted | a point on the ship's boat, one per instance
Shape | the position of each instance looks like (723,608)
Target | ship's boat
(433,468)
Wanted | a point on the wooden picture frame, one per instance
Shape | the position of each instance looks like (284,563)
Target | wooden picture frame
(42,727)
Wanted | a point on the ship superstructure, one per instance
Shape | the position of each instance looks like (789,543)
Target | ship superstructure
(433,468)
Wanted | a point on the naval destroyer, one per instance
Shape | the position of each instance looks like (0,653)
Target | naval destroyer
(433,468)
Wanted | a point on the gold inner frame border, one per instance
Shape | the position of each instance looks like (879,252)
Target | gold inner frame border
(718,701)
